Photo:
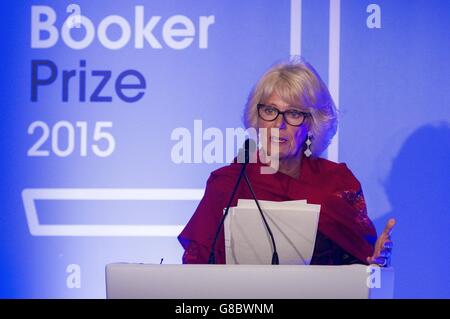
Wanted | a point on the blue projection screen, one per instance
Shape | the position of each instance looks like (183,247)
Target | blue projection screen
(98,97)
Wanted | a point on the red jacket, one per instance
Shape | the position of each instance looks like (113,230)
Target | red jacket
(343,224)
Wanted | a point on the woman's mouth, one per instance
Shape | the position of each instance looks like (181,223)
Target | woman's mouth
(280,140)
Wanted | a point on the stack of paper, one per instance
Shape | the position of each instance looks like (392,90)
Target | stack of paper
(293,225)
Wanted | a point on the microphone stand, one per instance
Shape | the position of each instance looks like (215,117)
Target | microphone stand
(275,260)
(212,254)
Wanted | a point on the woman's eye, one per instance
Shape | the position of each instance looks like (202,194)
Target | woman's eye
(294,114)
(269,110)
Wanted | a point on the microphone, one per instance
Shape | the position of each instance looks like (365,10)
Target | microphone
(244,158)
(244,154)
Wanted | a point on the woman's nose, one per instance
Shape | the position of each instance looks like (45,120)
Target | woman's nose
(280,122)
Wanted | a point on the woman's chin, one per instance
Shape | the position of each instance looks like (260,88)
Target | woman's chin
(280,151)
(280,155)
(284,151)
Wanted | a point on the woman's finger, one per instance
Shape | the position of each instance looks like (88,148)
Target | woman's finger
(389,227)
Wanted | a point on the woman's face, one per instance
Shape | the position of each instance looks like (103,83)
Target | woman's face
(291,138)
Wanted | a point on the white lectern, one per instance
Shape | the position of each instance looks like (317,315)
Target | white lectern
(247,281)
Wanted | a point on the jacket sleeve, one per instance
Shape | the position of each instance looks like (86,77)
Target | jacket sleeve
(197,237)
(344,217)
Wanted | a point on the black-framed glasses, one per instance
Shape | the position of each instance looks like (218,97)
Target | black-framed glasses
(292,117)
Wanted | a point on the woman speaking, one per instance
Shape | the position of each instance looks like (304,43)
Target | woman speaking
(292,98)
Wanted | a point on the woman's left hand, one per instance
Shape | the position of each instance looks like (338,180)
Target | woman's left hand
(383,246)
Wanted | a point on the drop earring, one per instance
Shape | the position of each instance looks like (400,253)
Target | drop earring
(308,145)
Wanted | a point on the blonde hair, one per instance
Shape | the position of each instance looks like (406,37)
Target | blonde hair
(299,84)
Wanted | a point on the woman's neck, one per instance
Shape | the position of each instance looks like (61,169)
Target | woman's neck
(290,166)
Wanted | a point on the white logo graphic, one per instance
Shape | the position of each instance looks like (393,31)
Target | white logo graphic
(74,278)
(374,19)
(374,279)
(30,195)
(334,43)
(74,20)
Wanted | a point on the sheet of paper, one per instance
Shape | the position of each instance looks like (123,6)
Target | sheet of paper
(294,227)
